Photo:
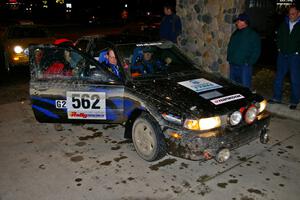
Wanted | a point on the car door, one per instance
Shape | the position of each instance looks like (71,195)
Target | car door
(73,90)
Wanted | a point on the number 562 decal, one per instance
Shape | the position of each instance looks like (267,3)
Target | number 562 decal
(86,105)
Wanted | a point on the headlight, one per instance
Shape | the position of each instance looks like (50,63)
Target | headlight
(203,124)
(262,105)
(235,118)
(250,114)
(191,124)
(18,49)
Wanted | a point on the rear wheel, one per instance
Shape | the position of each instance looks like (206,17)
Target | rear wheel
(147,138)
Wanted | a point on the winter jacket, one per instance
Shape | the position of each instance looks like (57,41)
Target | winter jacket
(170,28)
(244,47)
(289,42)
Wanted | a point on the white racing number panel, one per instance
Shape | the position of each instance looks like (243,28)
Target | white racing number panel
(86,105)
(226,99)
(200,85)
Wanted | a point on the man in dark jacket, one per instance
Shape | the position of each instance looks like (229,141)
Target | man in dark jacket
(170,26)
(243,51)
(288,60)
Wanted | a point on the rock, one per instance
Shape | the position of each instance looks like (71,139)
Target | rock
(58,127)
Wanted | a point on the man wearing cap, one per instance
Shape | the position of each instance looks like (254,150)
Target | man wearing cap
(243,51)
(170,26)
(288,60)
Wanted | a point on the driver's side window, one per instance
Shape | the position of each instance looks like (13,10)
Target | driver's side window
(58,63)
(54,63)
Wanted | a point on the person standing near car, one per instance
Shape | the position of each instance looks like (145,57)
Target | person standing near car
(170,26)
(288,60)
(243,51)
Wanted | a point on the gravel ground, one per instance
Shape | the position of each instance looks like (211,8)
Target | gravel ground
(263,80)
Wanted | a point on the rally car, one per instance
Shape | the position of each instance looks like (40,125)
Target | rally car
(172,107)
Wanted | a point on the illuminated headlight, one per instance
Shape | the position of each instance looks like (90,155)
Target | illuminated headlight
(191,124)
(18,49)
(203,124)
(262,106)
(250,114)
(235,118)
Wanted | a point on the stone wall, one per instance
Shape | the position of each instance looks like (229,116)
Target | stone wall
(207,26)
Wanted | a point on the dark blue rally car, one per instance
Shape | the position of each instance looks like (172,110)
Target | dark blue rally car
(165,102)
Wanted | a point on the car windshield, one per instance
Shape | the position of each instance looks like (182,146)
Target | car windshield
(27,32)
(154,59)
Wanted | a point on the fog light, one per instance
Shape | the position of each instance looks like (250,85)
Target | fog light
(175,135)
(223,155)
(250,114)
(262,105)
(235,118)
(16,58)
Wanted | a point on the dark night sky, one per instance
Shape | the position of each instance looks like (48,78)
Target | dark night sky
(110,9)
(104,9)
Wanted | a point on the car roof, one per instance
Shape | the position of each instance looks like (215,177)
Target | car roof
(122,38)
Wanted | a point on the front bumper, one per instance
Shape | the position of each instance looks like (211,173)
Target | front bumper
(202,146)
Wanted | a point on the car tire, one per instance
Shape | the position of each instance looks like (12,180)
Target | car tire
(147,138)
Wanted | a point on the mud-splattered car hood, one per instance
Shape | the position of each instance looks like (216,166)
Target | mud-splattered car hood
(170,91)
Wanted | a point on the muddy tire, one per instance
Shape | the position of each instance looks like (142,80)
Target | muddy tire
(147,138)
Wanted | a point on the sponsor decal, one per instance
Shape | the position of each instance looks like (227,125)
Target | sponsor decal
(79,115)
(210,95)
(60,104)
(149,44)
(86,105)
(200,85)
(226,99)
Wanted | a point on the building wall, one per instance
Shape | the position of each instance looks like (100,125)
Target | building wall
(207,26)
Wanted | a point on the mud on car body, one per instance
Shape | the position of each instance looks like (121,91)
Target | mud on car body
(174,108)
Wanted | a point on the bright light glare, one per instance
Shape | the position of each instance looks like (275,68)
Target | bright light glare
(262,105)
(209,123)
(191,124)
(203,124)
(18,49)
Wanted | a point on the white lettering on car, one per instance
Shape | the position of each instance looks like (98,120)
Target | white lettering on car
(200,85)
(86,105)
(226,99)
(149,44)
(60,104)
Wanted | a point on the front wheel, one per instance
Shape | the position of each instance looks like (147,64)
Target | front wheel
(147,138)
